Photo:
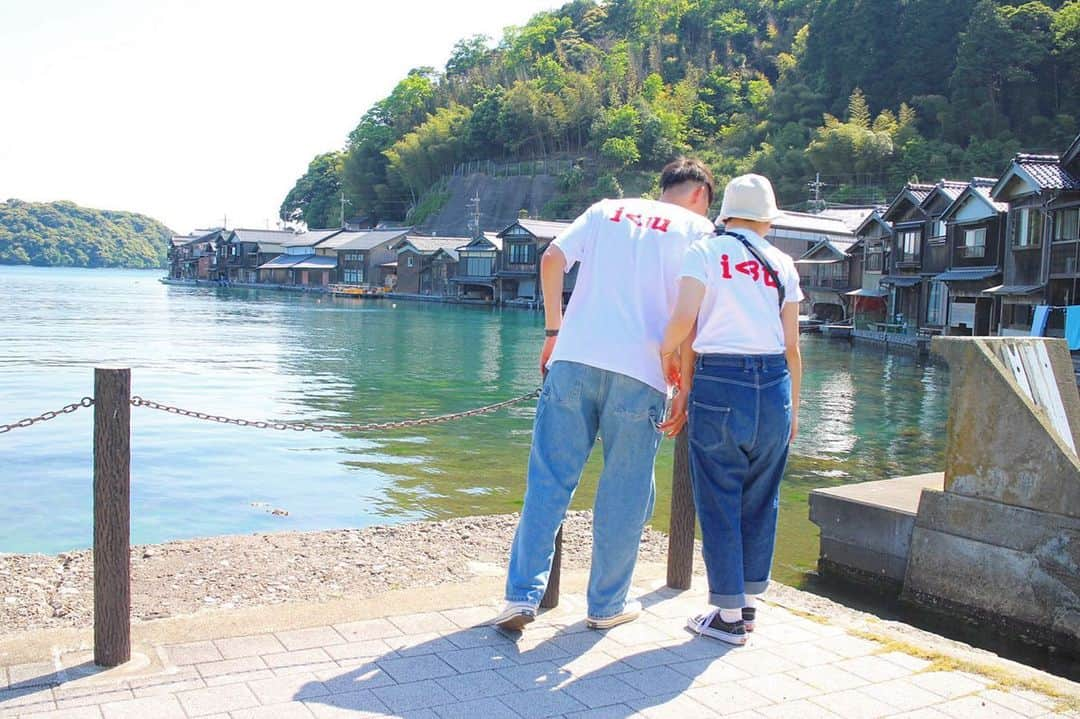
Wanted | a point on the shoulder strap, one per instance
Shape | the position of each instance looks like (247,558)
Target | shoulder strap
(762,261)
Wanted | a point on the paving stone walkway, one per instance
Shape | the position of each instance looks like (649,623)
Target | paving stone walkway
(446,665)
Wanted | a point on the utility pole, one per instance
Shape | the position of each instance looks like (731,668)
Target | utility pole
(816,186)
(343,203)
(474,224)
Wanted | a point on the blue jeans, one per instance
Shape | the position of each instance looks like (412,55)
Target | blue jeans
(577,402)
(740,422)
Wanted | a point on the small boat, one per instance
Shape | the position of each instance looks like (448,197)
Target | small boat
(354,291)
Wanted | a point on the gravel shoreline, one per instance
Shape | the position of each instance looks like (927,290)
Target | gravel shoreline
(40,591)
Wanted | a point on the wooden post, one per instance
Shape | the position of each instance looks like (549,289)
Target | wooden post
(551,596)
(680,566)
(112,516)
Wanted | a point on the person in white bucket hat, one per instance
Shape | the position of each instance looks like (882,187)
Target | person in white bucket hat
(740,396)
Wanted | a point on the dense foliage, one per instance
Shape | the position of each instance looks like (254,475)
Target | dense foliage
(64,234)
(866,92)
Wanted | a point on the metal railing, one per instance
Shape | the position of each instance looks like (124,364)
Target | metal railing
(112,403)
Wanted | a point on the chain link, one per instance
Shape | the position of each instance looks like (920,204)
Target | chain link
(46,416)
(137,401)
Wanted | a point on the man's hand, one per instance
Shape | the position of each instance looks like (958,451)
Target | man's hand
(545,354)
(676,418)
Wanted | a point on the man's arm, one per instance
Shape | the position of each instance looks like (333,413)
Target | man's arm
(552,269)
(790,319)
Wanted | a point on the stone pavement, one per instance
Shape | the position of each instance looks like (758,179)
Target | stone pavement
(445,665)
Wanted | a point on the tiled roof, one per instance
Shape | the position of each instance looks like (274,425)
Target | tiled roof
(309,238)
(1047,171)
(803,222)
(853,217)
(370,240)
(919,191)
(428,245)
(544,229)
(984,191)
(952,188)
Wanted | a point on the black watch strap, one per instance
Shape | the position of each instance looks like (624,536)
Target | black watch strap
(551,333)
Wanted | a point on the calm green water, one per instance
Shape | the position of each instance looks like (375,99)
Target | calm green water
(261,354)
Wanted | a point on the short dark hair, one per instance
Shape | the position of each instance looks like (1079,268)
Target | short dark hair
(687,169)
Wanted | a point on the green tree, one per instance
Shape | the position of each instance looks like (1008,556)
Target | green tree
(315,198)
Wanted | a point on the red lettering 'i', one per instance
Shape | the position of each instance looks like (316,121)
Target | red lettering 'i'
(725,267)
(617,217)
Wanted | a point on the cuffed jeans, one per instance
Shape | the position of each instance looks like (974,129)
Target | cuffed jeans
(740,423)
(577,402)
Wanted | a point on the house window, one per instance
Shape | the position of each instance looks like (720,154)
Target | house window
(520,253)
(409,261)
(1067,224)
(478,264)
(938,230)
(873,261)
(1026,227)
(935,306)
(909,241)
(975,242)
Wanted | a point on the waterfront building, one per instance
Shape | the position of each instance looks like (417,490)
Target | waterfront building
(298,265)
(425,264)
(826,278)
(477,265)
(365,258)
(903,278)
(975,226)
(245,250)
(517,277)
(796,233)
(933,316)
(197,258)
(873,241)
(1042,252)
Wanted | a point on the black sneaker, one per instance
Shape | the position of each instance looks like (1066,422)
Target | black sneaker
(711,625)
(748,616)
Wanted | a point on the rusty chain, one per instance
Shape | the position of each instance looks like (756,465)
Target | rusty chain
(137,401)
(46,416)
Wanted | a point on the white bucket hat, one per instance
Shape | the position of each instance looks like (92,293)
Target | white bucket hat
(750,197)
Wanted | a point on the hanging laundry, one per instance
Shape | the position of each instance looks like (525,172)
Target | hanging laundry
(1072,327)
(1038,324)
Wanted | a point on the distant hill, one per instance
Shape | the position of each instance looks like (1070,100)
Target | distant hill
(63,234)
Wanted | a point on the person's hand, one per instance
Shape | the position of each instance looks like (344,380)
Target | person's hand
(794,426)
(672,368)
(676,418)
(545,354)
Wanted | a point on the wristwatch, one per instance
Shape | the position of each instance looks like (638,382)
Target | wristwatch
(551,333)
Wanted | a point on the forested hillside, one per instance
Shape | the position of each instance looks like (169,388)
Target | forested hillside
(869,93)
(64,234)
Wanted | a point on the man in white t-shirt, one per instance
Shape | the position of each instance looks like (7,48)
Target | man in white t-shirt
(602,377)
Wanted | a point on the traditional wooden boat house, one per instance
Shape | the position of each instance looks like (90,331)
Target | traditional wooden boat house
(298,265)
(1042,252)
(477,264)
(903,278)
(366,258)
(935,255)
(975,226)
(826,278)
(517,278)
(873,244)
(197,257)
(246,250)
(425,264)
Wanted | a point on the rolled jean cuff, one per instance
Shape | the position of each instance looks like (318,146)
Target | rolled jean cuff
(525,598)
(727,601)
(756,587)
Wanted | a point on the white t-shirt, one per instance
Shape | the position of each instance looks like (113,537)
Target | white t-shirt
(630,252)
(740,313)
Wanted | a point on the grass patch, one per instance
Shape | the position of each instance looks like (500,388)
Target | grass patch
(1002,679)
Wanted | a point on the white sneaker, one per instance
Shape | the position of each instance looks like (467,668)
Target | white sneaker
(630,612)
(514,616)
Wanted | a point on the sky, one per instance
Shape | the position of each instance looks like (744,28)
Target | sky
(200,113)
